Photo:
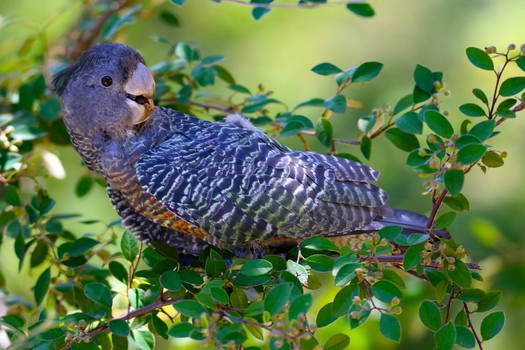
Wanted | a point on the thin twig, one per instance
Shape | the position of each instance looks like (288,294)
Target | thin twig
(450,303)
(471,326)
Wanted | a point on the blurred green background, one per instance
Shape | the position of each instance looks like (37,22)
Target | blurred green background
(279,50)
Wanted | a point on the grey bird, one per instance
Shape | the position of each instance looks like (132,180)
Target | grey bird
(188,182)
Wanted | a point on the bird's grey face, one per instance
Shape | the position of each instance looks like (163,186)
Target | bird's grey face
(108,90)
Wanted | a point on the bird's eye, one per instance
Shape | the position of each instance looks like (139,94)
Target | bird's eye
(106,80)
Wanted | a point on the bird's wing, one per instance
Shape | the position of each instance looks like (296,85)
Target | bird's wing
(239,185)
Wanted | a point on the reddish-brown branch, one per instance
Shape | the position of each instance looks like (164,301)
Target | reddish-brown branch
(471,326)
(450,303)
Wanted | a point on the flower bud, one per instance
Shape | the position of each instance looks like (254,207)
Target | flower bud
(511,47)
(490,49)
(451,267)
(395,301)
(446,92)
(9,129)
(356,300)
(428,246)
(354,315)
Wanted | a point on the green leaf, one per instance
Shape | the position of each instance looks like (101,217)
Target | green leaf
(313,102)
(144,338)
(326,69)
(363,10)
(320,262)
(470,153)
(446,337)
(409,122)
(445,220)
(402,140)
(181,330)
(189,308)
(439,124)
(461,274)
(412,256)
(239,88)
(492,324)
(130,246)
(220,295)
(178,2)
(472,110)
(99,293)
(256,267)
(480,95)
(483,130)
(385,291)
(253,107)
(366,72)
(404,103)
(512,86)
(390,232)
(171,280)
(479,58)
(424,78)
(521,63)
(300,305)
(119,271)
(337,341)
(366,123)
(84,185)
(292,128)
(326,315)
(11,196)
(430,315)
(488,301)
(345,274)
(459,202)
(336,104)
(318,244)
(390,327)
(258,12)
(42,285)
(366,147)
(324,131)
(119,327)
(50,109)
(276,298)
(298,271)
(169,18)
(454,181)
(464,337)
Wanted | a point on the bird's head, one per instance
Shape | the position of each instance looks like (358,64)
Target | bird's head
(107,91)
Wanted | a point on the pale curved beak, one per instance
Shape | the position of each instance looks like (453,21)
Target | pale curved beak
(140,90)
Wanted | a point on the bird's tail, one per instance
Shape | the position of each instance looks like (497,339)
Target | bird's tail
(410,221)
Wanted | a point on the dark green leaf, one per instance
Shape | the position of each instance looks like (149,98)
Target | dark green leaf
(84,185)
(438,123)
(326,69)
(181,330)
(190,276)
(445,220)
(492,324)
(336,104)
(318,244)
(512,86)
(415,159)
(479,58)
(483,130)
(488,301)
(292,128)
(366,147)
(363,10)
(412,256)
(385,291)
(119,327)
(169,18)
(470,153)
(39,254)
(276,298)
(189,308)
(481,95)
(461,274)
(454,181)
(258,12)
(521,63)
(409,122)
(315,102)
(464,337)
(430,315)
(119,271)
(129,245)
(178,2)
(390,327)
(11,196)
(424,78)
(402,140)
(366,71)
(467,139)
(320,262)
(446,337)
(253,107)
(256,267)
(171,280)
(300,305)
(404,103)
(337,342)
(390,232)
(326,315)
(99,293)
(324,132)
(345,274)
(472,110)
(220,295)
(42,285)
